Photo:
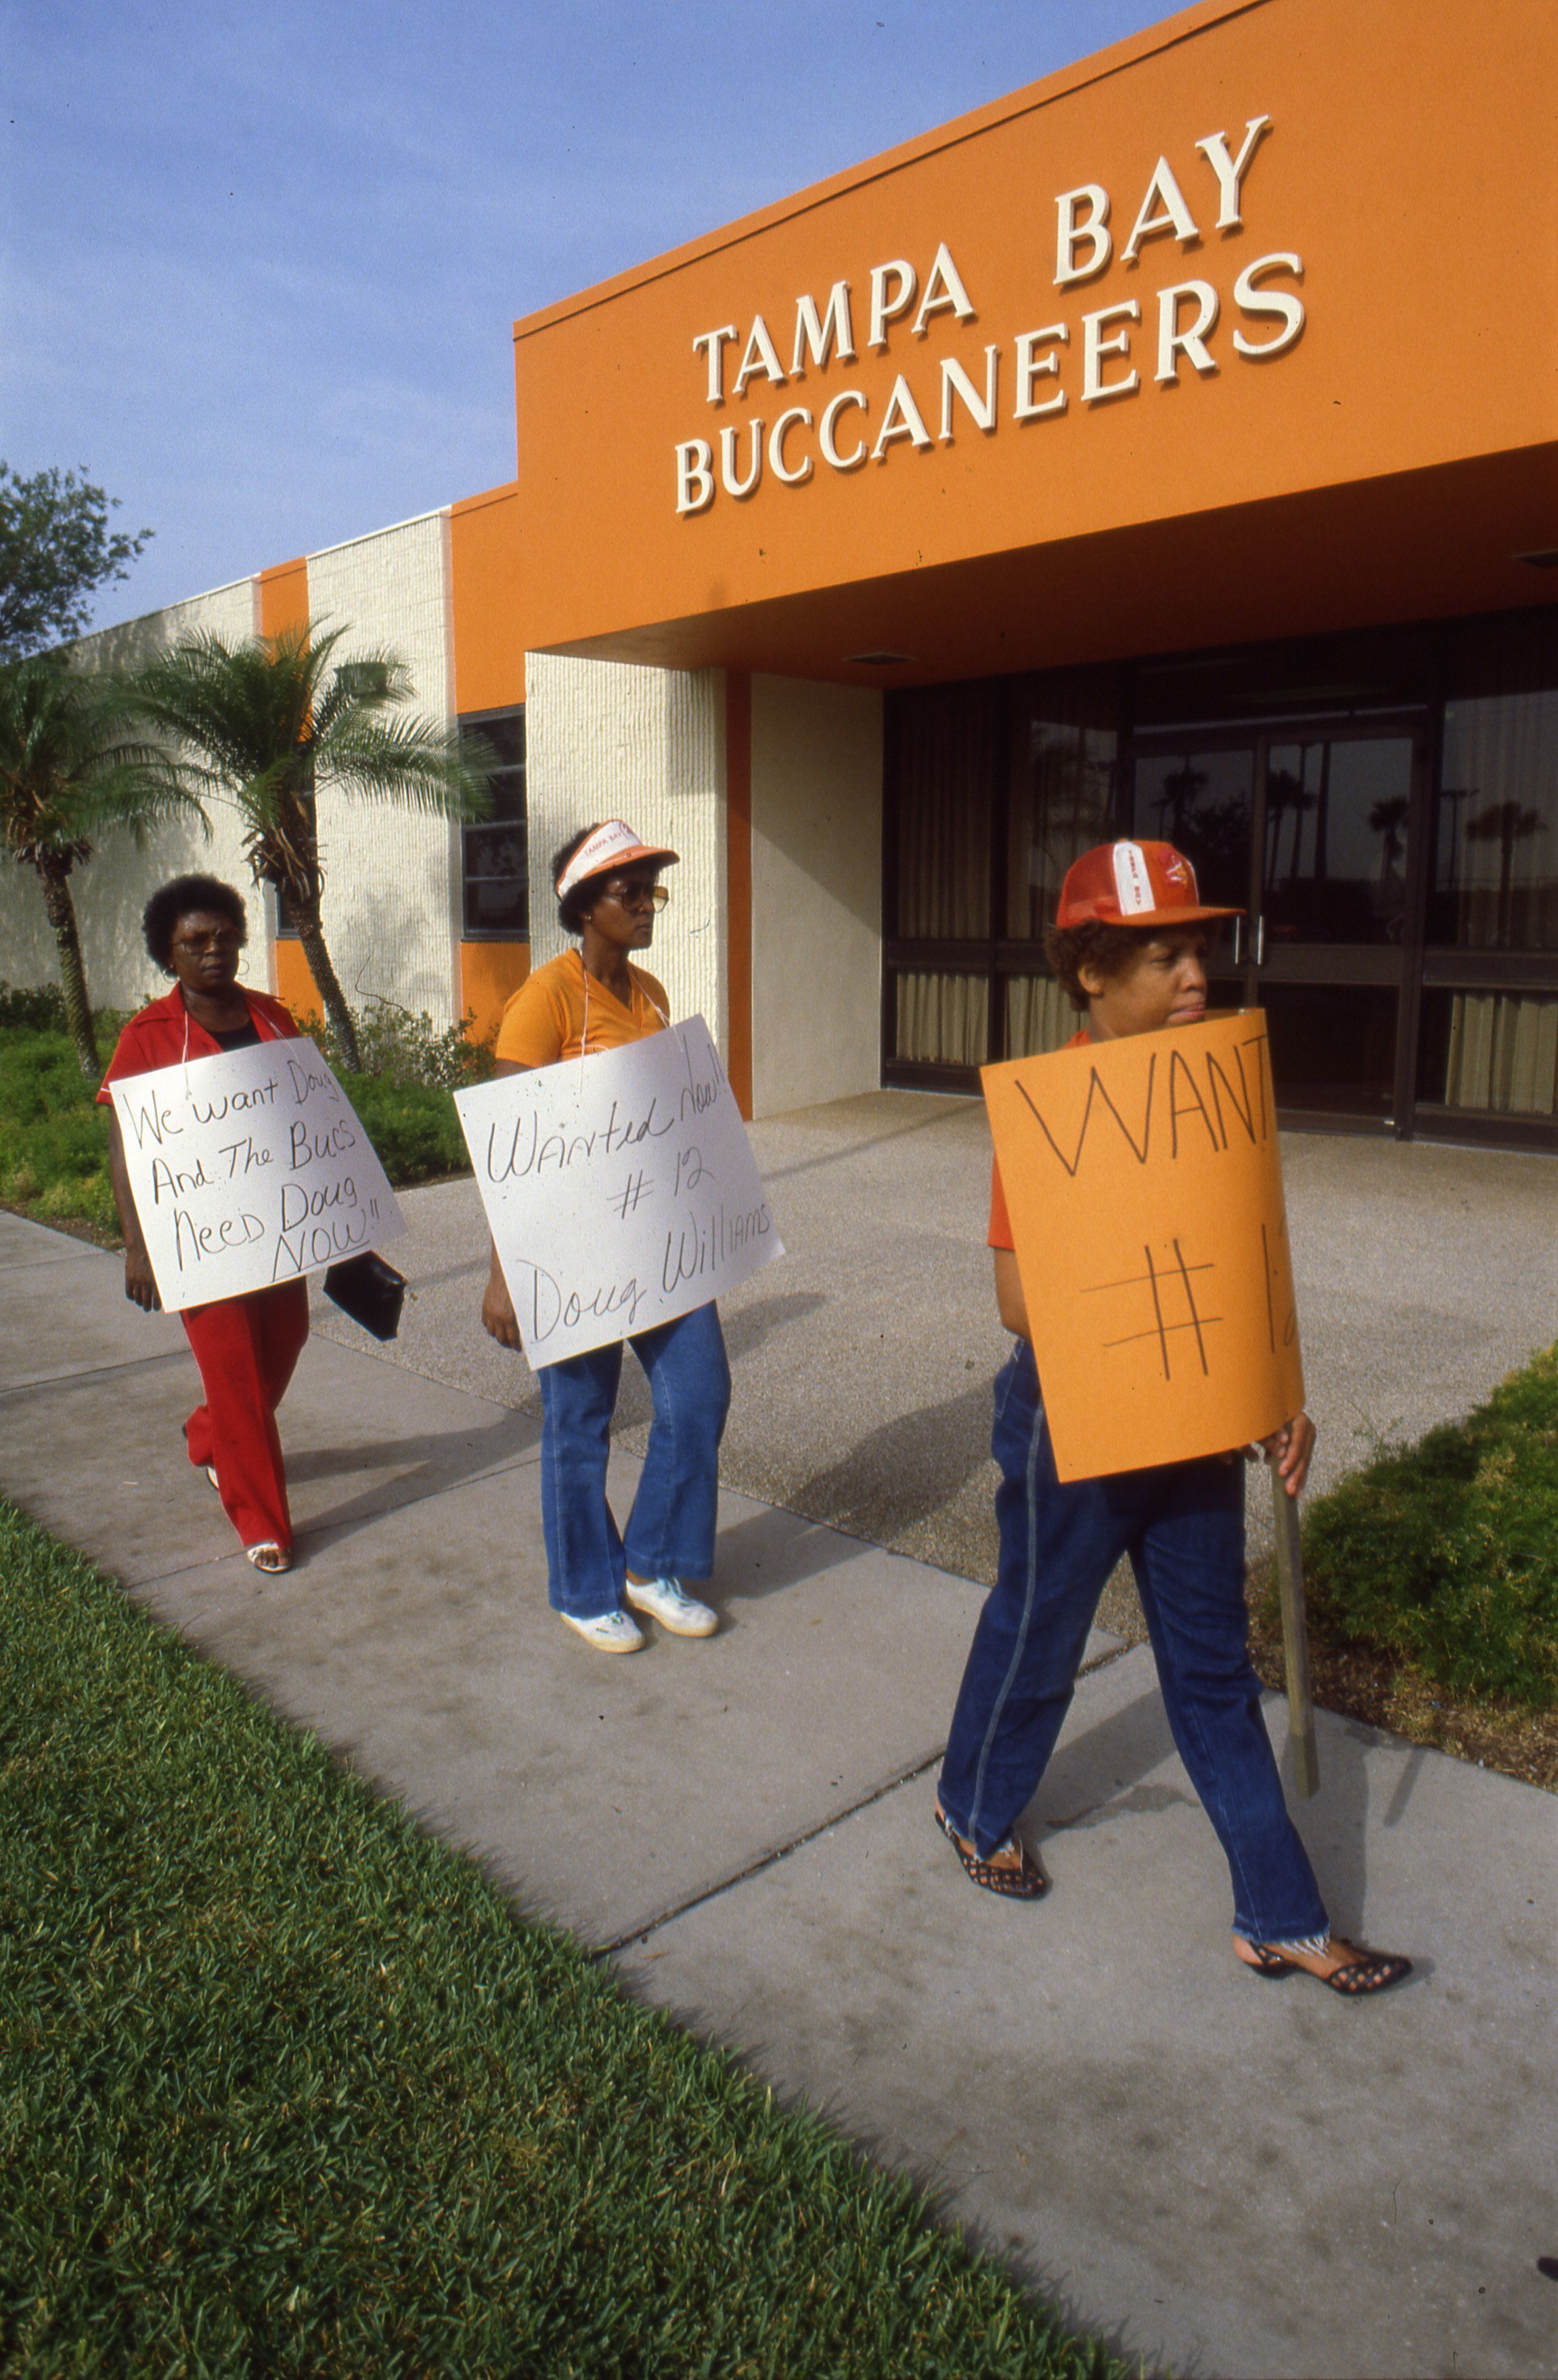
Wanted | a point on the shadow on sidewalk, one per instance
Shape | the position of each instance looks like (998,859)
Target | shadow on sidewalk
(428,1464)
(1102,1774)
(903,1474)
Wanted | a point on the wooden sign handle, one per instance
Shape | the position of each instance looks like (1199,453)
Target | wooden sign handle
(1294,1640)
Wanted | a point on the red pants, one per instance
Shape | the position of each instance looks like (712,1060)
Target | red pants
(246,1348)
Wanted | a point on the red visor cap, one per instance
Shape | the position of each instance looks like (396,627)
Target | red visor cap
(1133,884)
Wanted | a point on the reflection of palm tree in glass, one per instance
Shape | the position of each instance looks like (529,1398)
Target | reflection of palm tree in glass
(1071,803)
(1176,804)
(1388,818)
(1284,794)
(1212,835)
(1506,824)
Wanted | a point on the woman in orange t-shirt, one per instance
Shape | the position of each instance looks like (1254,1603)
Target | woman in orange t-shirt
(607,883)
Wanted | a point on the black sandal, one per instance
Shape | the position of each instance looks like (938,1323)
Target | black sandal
(1026,1882)
(1371,1972)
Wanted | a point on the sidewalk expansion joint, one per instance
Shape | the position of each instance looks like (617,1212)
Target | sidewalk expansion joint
(767,1859)
(92,1372)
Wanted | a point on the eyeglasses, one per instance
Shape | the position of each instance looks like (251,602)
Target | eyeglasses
(199,942)
(629,893)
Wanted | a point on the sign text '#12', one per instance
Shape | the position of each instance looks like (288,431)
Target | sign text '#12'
(844,431)
(1144,1185)
(248,1169)
(620,1189)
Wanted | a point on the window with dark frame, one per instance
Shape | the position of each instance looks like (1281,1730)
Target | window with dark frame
(1386,800)
(495,891)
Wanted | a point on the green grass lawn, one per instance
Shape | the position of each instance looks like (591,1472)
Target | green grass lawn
(54,1139)
(284,2087)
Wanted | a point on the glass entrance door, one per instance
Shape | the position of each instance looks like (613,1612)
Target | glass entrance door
(1311,831)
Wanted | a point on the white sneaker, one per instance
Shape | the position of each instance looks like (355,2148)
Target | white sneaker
(611,1632)
(664,1600)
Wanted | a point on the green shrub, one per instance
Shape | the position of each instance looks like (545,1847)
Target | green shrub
(39,1010)
(414,1129)
(54,1138)
(405,1048)
(1446,1552)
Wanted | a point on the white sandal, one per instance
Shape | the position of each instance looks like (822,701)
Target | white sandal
(268,1557)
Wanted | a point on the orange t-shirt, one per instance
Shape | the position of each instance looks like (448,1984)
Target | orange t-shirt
(546,1018)
(1000,1233)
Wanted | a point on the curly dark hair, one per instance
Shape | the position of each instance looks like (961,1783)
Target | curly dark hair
(1108,948)
(1097,944)
(175,900)
(568,910)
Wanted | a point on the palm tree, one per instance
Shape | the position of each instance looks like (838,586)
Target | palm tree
(68,772)
(265,722)
(1505,823)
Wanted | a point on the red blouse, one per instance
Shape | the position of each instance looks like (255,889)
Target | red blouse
(165,1032)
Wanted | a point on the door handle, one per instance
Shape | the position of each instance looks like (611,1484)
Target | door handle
(1260,939)
(1238,940)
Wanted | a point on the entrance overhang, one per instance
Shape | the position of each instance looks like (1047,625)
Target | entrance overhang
(1245,327)
(1415,545)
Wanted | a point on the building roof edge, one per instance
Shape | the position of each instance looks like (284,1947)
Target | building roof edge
(1098,66)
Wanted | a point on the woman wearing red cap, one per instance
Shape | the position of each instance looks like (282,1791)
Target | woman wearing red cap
(1130,945)
(608,891)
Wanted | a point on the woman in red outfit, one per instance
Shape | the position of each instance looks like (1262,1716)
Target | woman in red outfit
(246,1347)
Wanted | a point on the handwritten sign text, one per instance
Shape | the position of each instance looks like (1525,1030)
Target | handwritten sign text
(247,1169)
(621,1189)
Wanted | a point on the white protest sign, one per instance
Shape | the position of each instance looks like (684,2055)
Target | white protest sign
(621,1189)
(248,1169)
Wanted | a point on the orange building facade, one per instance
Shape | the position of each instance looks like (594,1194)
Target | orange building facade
(1171,447)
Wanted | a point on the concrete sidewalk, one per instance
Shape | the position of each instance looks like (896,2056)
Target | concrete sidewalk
(1219,2176)
(1424,1274)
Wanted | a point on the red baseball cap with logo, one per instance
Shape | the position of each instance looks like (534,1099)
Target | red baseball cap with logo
(1133,884)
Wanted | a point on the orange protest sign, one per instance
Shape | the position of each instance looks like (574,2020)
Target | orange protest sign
(1145,1191)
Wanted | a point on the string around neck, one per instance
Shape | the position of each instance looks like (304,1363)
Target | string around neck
(633,986)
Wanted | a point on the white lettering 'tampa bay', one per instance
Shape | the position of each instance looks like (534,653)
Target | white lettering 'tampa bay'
(248,1169)
(621,1189)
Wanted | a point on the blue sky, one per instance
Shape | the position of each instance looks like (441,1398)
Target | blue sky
(261,263)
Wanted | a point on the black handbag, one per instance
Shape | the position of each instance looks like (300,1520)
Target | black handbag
(370,1291)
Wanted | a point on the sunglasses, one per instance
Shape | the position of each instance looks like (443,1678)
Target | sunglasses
(629,893)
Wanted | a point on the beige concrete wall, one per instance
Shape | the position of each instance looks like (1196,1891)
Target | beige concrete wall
(390,905)
(604,739)
(816,892)
(111,890)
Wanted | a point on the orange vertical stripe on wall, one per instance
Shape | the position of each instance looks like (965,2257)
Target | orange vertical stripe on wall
(284,597)
(488,675)
(738,882)
(284,604)
(484,600)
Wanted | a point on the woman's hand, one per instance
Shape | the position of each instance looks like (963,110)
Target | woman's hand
(1290,1449)
(141,1284)
(498,1309)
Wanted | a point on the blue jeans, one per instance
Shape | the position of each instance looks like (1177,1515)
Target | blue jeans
(670,1528)
(1182,1526)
